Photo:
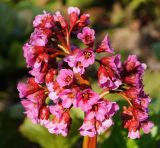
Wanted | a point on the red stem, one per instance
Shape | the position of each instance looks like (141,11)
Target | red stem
(90,142)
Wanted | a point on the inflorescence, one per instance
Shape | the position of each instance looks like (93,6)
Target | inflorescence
(58,80)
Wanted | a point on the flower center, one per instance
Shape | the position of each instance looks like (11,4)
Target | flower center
(70,95)
(68,79)
(87,54)
(86,96)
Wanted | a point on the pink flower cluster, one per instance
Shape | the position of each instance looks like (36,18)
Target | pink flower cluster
(58,80)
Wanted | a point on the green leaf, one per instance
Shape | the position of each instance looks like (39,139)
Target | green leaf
(40,135)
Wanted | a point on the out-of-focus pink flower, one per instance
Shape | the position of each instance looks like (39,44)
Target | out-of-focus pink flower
(86,99)
(73,10)
(134,134)
(87,36)
(105,46)
(65,77)
(147,126)
(45,20)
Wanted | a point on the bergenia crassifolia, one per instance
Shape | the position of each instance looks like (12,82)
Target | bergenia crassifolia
(58,80)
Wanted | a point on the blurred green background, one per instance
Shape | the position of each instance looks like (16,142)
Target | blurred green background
(134,27)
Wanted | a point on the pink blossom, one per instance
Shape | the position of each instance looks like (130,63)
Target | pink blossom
(60,125)
(28,88)
(31,110)
(45,20)
(88,128)
(28,52)
(113,62)
(38,74)
(60,19)
(105,46)
(103,126)
(147,126)
(41,58)
(84,20)
(65,77)
(86,57)
(39,37)
(111,109)
(37,97)
(57,109)
(68,97)
(54,90)
(107,79)
(73,10)
(98,111)
(86,99)
(74,62)
(134,134)
(87,36)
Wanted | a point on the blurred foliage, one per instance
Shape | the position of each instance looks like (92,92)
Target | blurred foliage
(132,24)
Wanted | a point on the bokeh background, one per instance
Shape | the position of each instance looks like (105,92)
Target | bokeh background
(134,28)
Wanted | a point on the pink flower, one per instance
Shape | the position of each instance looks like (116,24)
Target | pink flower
(45,20)
(73,10)
(86,99)
(134,134)
(41,58)
(37,97)
(38,74)
(68,97)
(107,79)
(74,62)
(60,19)
(60,125)
(84,20)
(28,52)
(87,36)
(147,126)
(86,57)
(88,128)
(65,77)
(54,90)
(28,88)
(101,127)
(111,108)
(98,111)
(31,110)
(40,37)
(113,62)
(57,109)
(105,46)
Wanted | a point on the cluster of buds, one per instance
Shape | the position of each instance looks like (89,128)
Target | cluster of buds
(58,80)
